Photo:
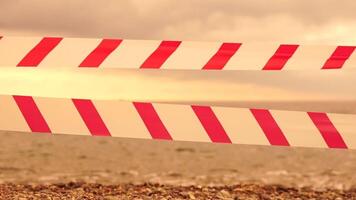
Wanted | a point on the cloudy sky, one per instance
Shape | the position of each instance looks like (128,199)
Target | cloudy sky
(317,21)
(281,21)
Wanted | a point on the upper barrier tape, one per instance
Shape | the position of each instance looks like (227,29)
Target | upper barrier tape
(118,53)
(177,122)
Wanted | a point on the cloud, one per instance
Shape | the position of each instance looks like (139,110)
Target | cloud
(326,21)
(257,85)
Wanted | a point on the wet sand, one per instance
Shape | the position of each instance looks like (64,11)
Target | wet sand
(41,159)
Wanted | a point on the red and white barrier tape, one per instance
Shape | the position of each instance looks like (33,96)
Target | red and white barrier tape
(117,53)
(177,122)
(173,122)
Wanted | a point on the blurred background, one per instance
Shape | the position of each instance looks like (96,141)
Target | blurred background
(283,21)
(26,158)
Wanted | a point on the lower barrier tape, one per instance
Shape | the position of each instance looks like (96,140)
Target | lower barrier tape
(177,122)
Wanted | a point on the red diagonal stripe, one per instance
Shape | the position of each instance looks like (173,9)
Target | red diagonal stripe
(99,54)
(91,117)
(330,134)
(280,57)
(26,104)
(39,52)
(205,114)
(161,54)
(211,124)
(85,107)
(270,127)
(146,110)
(222,56)
(152,121)
(32,114)
(338,57)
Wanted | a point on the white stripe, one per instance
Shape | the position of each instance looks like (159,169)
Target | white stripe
(14,49)
(240,125)
(130,54)
(122,119)
(251,57)
(191,55)
(181,122)
(11,118)
(61,116)
(309,57)
(298,129)
(345,124)
(70,52)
